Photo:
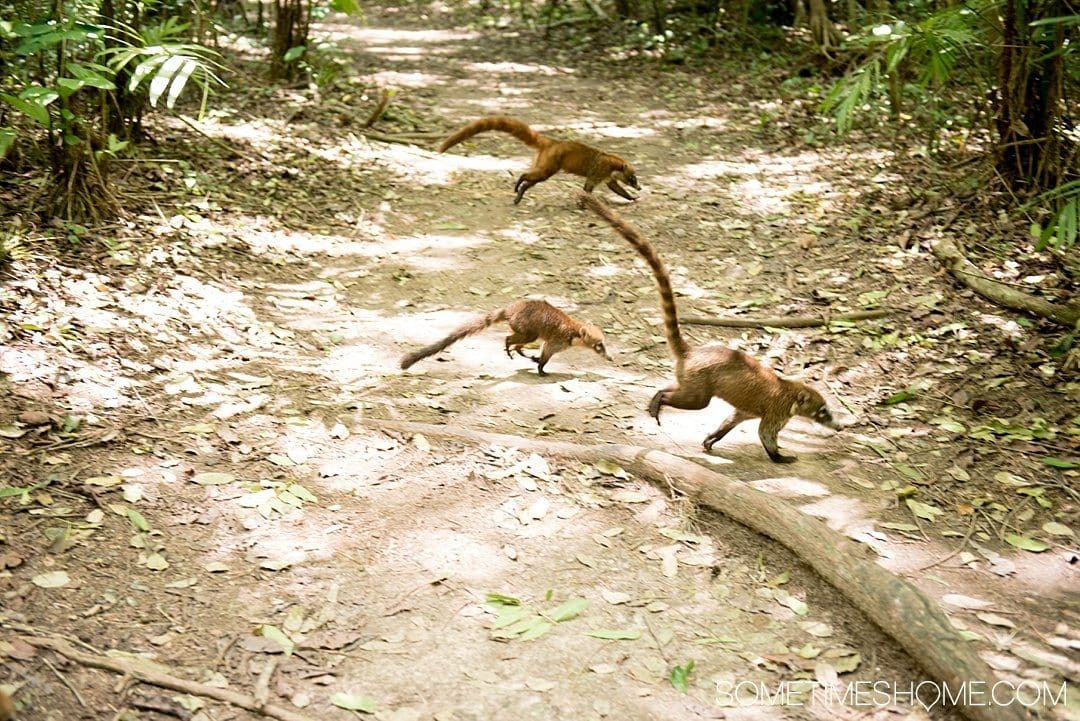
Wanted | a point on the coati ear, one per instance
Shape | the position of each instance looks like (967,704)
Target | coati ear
(804,398)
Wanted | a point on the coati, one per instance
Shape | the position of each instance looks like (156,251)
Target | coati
(529,320)
(7,707)
(731,375)
(552,155)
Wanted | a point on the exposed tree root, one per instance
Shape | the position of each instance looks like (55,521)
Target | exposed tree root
(807,321)
(954,260)
(155,677)
(900,609)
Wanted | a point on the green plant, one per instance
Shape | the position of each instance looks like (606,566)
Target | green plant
(931,49)
(159,59)
(1061,232)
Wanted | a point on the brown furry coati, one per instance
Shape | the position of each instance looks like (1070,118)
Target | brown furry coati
(7,707)
(529,320)
(552,155)
(731,375)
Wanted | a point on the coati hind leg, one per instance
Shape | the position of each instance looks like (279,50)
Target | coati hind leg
(726,427)
(516,340)
(676,397)
(529,179)
(767,432)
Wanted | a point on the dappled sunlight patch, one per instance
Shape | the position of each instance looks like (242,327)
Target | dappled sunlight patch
(513,68)
(458,555)
(393,78)
(789,486)
(609,130)
(384,36)
(507,100)
(842,513)
(405,52)
(416,248)
(697,122)
(351,362)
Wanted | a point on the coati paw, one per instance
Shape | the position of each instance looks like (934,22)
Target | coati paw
(655,405)
(781,458)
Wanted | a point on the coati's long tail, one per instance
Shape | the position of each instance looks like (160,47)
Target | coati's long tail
(518,129)
(676,343)
(466,330)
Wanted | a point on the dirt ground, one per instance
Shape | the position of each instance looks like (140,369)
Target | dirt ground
(194,472)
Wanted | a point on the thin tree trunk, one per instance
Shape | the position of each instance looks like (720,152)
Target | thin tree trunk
(822,30)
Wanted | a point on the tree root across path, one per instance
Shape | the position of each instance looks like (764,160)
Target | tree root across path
(952,257)
(808,321)
(900,609)
(155,677)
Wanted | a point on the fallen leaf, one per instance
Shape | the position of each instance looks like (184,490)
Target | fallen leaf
(52,579)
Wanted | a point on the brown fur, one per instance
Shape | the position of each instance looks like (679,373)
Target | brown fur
(717,371)
(552,155)
(529,320)
(7,707)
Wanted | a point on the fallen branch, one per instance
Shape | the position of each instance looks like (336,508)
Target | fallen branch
(165,680)
(952,257)
(805,321)
(896,606)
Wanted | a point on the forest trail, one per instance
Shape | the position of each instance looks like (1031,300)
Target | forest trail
(239,411)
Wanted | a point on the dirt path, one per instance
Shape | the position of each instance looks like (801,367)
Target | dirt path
(261,336)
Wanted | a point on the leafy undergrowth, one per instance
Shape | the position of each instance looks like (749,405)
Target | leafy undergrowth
(190,400)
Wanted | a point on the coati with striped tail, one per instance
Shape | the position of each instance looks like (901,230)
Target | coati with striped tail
(552,155)
(731,375)
(529,320)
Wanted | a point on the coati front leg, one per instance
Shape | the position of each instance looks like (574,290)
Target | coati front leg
(529,179)
(618,189)
(676,397)
(547,350)
(726,427)
(767,432)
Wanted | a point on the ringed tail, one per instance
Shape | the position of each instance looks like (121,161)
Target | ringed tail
(502,123)
(678,346)
(466,330)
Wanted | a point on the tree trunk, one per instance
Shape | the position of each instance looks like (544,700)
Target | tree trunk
(822,30)
(1032,149)
(291,19)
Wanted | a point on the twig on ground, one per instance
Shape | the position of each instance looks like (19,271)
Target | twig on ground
(63,680)
(955,551)
(165,680)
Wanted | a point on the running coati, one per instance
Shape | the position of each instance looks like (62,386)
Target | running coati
(7,707)
(552,155)
(731,375)
(529,320)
